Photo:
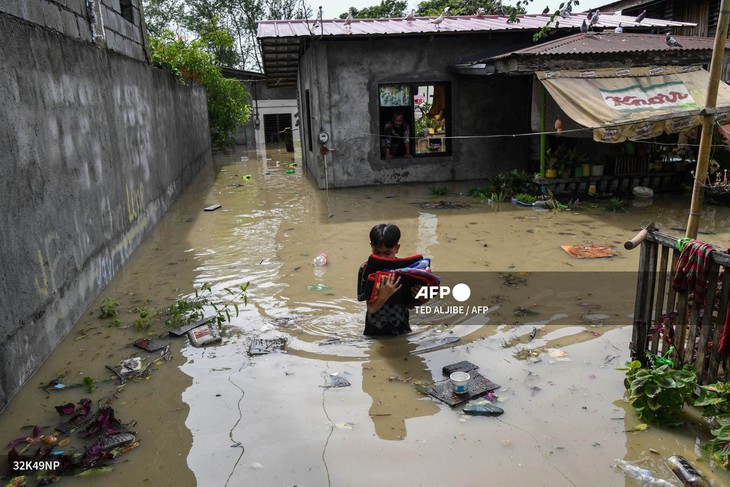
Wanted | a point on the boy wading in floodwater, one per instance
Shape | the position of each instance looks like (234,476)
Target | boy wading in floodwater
(385,316)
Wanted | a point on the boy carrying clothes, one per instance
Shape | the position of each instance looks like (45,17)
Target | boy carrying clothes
(387,309)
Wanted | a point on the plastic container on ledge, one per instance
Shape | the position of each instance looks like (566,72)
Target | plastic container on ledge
(320,260)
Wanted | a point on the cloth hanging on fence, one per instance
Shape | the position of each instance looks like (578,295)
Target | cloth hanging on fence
(692,269)
(724,348)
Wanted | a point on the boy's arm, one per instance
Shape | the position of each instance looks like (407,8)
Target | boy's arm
(388,287)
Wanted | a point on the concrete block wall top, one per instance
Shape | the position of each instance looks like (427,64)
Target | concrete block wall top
(73,19)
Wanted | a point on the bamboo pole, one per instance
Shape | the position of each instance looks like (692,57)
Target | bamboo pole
(543,136)
(708,122)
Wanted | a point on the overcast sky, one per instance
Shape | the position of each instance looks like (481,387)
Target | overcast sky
(333,8)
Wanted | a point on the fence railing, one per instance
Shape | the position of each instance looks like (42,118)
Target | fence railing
(664,317)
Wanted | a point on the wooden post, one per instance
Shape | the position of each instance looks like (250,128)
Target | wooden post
(708,122)
(543,135)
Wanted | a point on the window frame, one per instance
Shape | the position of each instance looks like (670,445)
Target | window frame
(384,113)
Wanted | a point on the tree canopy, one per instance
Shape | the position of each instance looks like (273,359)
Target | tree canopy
(192,18)
(386,10)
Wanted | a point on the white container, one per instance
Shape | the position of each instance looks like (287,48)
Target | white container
(643,192)
(460,381)
(597,170)
(320,260)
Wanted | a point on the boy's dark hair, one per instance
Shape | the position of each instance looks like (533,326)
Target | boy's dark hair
(385,234)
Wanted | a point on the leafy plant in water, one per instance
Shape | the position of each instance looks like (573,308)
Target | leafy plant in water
(89,383)
(498,197)
(145,318)
(438,190)
(658,394)
(615,204)
(718,449)
(185,311)
(713,399)
(525,198)
(480,193)
(108,308)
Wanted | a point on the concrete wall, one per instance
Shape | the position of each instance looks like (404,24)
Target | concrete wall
(266,100)
(95,148)
(343,78)
(114,24)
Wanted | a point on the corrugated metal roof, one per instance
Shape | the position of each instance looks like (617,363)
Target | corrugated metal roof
(422,25)
(611,42)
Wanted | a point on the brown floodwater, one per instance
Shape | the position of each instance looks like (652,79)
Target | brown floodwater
(217,416)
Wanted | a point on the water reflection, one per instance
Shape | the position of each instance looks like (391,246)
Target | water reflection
(388,377)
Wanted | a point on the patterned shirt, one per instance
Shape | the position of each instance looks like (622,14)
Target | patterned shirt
(392,319)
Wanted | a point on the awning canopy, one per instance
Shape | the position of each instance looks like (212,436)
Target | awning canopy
(636,103)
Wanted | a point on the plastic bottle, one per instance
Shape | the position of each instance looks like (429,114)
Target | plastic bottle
(320,260)
(685,472)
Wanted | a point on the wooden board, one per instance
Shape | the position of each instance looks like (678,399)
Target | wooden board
(444,390)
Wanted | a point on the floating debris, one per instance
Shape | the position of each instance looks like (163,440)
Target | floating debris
(318,287)
(211,208)
(205,335)
(150,345)
(261,346)
(336,380)
(483,410)
(463,366)
(444,205)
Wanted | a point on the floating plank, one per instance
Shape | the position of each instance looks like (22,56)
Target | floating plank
(182,330)
(463,366)
(444,390)
(150,345)
(211,208)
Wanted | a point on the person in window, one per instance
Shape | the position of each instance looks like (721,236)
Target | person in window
(396,137)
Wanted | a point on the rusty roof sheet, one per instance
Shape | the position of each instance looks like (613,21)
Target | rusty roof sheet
(452,24)
(611,42)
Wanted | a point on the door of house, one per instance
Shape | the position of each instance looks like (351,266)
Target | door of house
(274,125)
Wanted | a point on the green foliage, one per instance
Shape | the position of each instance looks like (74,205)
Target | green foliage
(718,449)
(228,103)
(237,17)
(438,190)
(525,198)
(509,182)
(108,308)
(480,193)
(658,394)
(554,16)
(187,310)
(387,9)
(713,399)
(145,318)
(465,7)
(160,15)
(89,383)
(615,204)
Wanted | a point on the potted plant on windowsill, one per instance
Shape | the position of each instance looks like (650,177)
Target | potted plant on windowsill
(551,161)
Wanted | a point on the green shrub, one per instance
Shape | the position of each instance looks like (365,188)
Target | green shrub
(228,101)
(658,394)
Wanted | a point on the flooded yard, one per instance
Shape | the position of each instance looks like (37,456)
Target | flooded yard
(218,416)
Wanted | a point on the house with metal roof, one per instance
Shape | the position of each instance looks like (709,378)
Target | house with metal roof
(704,14)
(466,88)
